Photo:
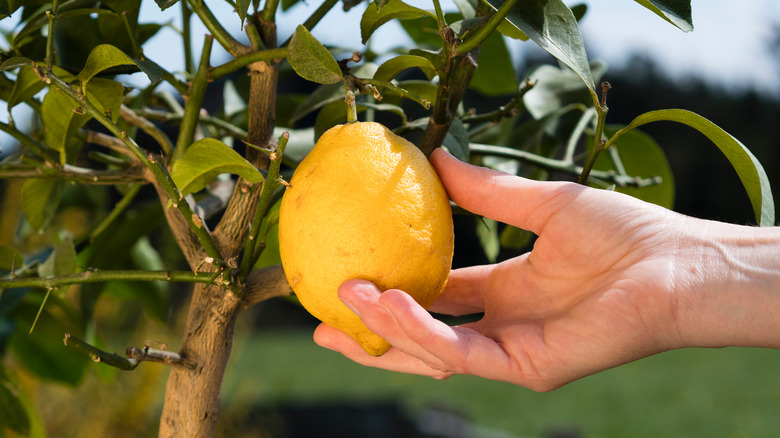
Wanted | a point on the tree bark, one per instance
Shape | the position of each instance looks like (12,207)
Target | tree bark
(192,394)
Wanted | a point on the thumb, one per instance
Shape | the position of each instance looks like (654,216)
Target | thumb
(514,200)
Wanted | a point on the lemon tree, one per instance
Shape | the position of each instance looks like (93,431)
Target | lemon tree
(124,181)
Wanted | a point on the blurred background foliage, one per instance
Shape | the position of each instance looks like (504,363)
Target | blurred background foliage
(280,384)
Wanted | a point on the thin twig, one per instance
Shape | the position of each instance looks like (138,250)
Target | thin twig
(101,276)
(555,165)
(148,127)
(270,184)
(508,110)
(135,355)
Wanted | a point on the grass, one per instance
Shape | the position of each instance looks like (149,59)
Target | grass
(730,392)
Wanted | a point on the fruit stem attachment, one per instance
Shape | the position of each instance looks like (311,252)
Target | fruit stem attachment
(351,107)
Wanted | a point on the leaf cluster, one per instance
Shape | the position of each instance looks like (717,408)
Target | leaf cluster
(160,176)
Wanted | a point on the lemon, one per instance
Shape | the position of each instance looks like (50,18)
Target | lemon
(364,203)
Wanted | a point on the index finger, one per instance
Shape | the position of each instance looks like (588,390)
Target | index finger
(522,202)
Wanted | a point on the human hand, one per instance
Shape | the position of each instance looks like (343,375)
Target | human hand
(602,286)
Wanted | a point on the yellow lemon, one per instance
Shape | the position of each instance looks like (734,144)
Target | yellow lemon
(365,203)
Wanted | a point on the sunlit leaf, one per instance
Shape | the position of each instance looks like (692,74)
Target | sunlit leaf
(552,25)
(204,160)
(374,17)
(749,170)
(677,12)
(106,56)
(555,88)
(395,66)
(311,60)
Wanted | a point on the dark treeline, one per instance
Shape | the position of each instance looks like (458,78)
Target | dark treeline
(706,184)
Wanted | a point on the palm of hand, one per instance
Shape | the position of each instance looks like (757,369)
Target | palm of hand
(586,297)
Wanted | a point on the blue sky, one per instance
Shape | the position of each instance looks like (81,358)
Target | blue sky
(729,44)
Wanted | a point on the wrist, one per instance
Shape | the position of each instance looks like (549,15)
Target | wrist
(730,286)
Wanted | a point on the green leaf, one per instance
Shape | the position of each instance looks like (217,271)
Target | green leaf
(107,96)
(311,60)
(165,4)
(42,351)
(457,140)
(515,238)
(508,29)
(422,89)
(15,62)
(321,96)
(467,8)
(40,199)
(554,89)
(424,31)
(328,93)
(10,257)
(204,160)
(242,6)
(749,170)
(394,66)
(60,119)
(677,12)
(270,255)
(374,17)
(106,56)
(27,85)
(579,11)
(640,156)
(13,414)
(552,25)
(61,261)
(495,74)
(487,233)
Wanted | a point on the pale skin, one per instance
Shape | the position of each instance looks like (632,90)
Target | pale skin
(610,279)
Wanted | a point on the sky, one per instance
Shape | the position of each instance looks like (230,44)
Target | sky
(729,44)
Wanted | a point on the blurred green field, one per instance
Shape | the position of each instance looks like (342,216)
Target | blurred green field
(731,392)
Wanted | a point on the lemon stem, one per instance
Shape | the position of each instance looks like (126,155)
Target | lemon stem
(351,107)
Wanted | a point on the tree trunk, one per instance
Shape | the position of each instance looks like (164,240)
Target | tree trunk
(192,393)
